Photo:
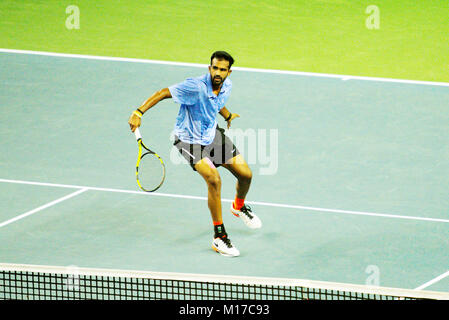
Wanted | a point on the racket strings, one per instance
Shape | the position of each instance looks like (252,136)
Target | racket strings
(150,172)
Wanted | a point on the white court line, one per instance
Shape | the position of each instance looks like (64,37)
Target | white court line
(198,65)
(278,205)
(26,214)
(433,281)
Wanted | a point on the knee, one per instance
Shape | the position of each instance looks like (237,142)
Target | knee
(214,181)
(246,176)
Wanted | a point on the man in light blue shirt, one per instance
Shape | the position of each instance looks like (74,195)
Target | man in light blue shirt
(204,145)
(197,117)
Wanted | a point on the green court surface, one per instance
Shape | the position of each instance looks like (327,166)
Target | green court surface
(360,181)
(326,36)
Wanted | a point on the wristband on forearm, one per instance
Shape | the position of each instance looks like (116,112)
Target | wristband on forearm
(229,117)
(138,113)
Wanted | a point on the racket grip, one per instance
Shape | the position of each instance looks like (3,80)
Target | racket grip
(137,134)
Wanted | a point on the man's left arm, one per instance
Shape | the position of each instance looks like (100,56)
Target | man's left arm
(228,116)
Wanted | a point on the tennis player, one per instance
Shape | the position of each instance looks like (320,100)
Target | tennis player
(203,143)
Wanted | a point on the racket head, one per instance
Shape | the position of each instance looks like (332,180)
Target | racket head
(150,170)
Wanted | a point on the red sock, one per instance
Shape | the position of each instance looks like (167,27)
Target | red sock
(217,223)
(238,203)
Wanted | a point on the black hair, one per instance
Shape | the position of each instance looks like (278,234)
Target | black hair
(220,55)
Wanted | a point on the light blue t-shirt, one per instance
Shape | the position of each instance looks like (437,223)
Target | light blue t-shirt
(197,117)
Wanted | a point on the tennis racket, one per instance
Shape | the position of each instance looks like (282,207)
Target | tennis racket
(150,169)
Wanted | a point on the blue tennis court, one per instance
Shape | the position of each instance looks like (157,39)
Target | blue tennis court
(351,183)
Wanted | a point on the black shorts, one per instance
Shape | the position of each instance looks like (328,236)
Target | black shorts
(219,151)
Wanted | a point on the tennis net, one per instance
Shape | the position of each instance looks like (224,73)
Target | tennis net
(32,282)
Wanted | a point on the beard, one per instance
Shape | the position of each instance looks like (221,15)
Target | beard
(217,81)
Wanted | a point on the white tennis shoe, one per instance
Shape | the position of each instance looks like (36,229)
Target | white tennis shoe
(224,246)
(249,218)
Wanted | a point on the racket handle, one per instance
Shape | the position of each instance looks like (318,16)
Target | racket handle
(137,134)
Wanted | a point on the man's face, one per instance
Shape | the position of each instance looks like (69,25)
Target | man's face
(219,71)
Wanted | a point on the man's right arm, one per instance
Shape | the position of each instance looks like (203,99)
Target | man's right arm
(134,120)
(155,98)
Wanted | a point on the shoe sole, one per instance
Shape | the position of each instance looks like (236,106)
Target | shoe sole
(223,253)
